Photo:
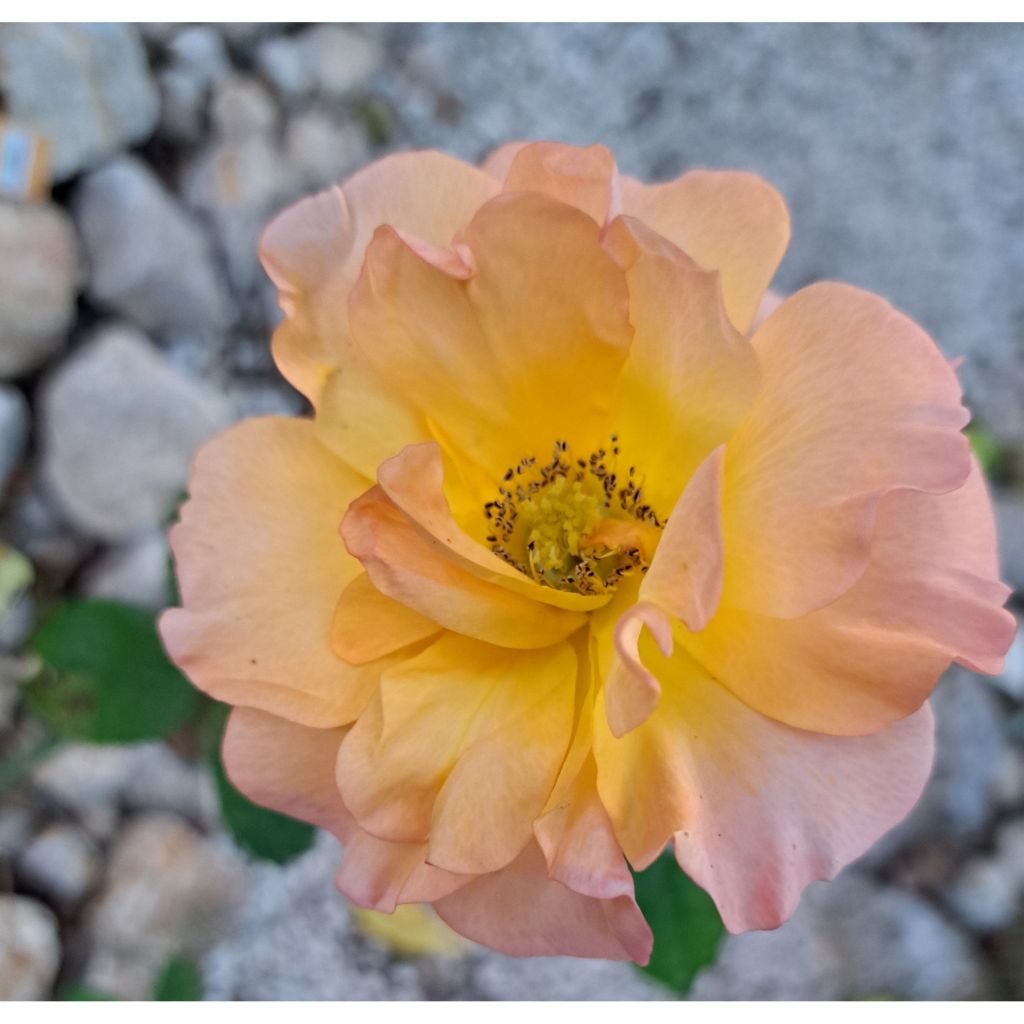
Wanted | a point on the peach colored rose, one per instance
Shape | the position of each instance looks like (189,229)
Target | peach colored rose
(565,568)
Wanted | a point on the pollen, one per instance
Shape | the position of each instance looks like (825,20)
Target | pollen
(573,523)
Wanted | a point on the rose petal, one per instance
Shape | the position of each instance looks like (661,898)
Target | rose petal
(584,177)
(261,567)
(728,221)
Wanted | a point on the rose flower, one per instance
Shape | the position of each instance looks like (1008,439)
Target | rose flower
(568,564)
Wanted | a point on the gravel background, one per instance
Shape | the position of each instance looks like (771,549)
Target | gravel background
(134,322)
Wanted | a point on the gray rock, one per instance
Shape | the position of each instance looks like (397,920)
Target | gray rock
(1009,506)
(39,275)
(850,938)
(328,60)
(14,426)
(198,60)
(1011,679)
(137,573)
(15,828)
(139,776)
(321,151)
(242,108)
(119,430)
(168,890)
(960,799)
(149,261)
(200,49)
(85,87)
(38,529)
(989,893)
(29,949)
(17,621)
(562,978)
(61,864)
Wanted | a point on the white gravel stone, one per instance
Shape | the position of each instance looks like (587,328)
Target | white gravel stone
(168,890)
(120,428)
(39,275)
(85,87)
(137,573)
(149,260)
(1009,506)
(29,949)
(14,427)
(321,151)
(61,864)
(242,108)
(850,938)
(327,60)
(562,978)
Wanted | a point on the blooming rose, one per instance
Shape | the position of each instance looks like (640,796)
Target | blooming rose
(565,567)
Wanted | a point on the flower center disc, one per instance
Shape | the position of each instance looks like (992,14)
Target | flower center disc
(571,523)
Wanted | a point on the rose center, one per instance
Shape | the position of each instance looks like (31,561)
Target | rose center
(573,523)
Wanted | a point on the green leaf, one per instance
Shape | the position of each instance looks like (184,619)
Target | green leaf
(260,832)
(687,928)
(179,982)
(987,450)
(83,994)
(106,678)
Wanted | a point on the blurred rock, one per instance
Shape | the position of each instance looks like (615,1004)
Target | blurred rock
(988,894)
(119,431)
(327,60)
(242,108)
(39,276)
(1009,781)
(14,426)
(137,573)
(200,49)
(238,181)
(197,61)
(561,978)
(38,529)
(148,260)
(60,864)
(1011,679)
(15,830)
(960,799)
(17,622)
(321,151)
(168,890)
(86,87)
(849,939)
(29,949)
(1009,507)
(138,776)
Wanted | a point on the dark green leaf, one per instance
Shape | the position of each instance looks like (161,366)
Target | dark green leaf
(179,982)
(263,833)
(106,677)
(687,928)
(83,994)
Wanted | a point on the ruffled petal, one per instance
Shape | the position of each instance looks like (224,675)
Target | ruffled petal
(406,565)
(776,808)
(261,567)
(929,595)
(728,221)
(460,748)
(690,376)
(856,401)
(583,177)
(314,250)
(287,767)
(520,354)
(522,912)
(369,625)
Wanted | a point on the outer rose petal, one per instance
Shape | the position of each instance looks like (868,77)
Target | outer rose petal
(778,808)
(461,748)
(499,160)
(631,692)
(758,809)
(290,768)
(582,177)
(261,567)
(929,594)
(728,221)
(690,376)
(313,251)
(534,338)
(856,401)
(521,912)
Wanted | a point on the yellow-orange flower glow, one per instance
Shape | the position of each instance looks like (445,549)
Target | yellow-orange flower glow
(569,564)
